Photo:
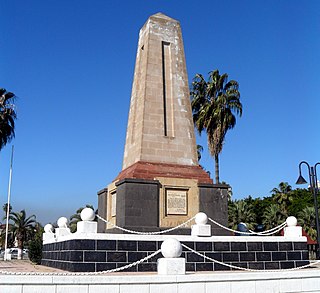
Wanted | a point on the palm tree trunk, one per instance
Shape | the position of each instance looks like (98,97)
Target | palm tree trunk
(216,160)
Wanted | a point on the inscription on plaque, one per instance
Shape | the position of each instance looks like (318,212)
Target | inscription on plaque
(113,204)
(176,202)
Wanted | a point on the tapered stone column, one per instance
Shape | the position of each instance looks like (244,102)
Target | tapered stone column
(158,185)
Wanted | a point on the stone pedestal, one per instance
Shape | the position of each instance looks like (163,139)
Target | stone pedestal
(201,230)
(294,231)
(62,232)
(87,227)
(171,266)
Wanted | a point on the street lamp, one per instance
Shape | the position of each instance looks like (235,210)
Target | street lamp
(314,188)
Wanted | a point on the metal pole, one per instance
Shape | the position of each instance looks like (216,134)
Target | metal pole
(315,196)
(8,207)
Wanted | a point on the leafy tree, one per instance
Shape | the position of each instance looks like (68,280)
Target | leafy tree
(7,117)
(301,198)
(283,196)
(199,151)
(214,103)
(273,216)
(23,227)
(5,209)
(75,218)
(35,245)
(241,211)
(307,220)
(258,206)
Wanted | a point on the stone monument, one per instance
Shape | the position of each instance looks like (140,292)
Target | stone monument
(161,184)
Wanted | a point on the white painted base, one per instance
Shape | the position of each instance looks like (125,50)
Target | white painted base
(171,266)
(48,237)
(294,231)
(87,227)
(62,232)
(306,280)
(201,230)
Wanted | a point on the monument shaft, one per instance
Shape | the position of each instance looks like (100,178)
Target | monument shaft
(161,184)
(160,127)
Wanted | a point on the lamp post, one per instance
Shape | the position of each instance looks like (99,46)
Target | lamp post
(314,188)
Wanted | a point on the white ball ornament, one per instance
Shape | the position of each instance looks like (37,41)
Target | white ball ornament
(291,221)
(201,218)
(171,248)
(87,214)
(62,222)
(48,228)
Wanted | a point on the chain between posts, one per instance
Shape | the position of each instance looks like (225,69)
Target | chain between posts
(146,233)
(265,233)
(82,273)
(246,269)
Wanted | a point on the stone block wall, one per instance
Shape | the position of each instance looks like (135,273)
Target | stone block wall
(100,255)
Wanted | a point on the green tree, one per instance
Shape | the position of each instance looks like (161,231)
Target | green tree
(7,117)
(307,219)
(23,228)
(214,103)
(75,218)
(301,198)
(199,151)
(283,196)
(35,245)
(241,211)
(5,209)
(273,216)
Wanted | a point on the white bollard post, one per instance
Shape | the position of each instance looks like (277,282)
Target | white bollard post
(201,228)
(87,225)
(48,235)
(292,230)
(172,263)
(63,229)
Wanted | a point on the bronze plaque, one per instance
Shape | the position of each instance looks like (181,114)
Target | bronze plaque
(176,202)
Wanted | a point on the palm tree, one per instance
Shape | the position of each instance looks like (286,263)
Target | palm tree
(22,228)
(199,151)
(307,219)
(214,103)
(273,216)
(5,210)
(7,117)
(240,211)
(283,196)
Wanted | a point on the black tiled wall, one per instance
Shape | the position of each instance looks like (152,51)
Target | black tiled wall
(101,255)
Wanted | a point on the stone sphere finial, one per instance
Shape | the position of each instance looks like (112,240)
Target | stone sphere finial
(48,228)
(291,221)
(62,222)
(87,214)
(201,218)
(171,248)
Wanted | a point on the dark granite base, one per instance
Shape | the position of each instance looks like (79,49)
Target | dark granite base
(136,196)
(101,255)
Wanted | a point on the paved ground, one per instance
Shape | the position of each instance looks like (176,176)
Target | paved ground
(24,266)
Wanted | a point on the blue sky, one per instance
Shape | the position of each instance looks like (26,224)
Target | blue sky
(71,65)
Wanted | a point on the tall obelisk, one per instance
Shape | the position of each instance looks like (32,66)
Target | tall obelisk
(161,183)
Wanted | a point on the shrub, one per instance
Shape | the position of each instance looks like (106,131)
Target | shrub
(35,250)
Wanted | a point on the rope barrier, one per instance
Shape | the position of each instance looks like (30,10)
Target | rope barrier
(246,269)
(82,273)
(250,233)
(146,233)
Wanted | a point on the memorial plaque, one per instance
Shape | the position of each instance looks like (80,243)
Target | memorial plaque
(113,204)
(176,202)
